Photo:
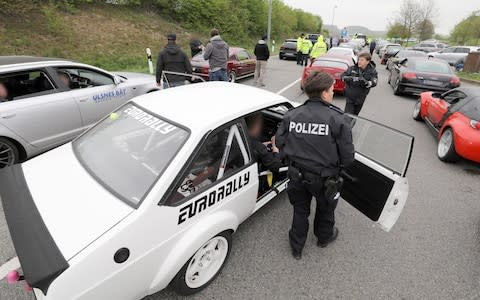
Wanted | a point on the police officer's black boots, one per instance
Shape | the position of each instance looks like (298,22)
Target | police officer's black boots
(334,236)
(297,255)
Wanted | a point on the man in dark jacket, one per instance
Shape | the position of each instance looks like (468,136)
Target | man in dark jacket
(373,45)
(263,54)
(173,59)
(217,54)
(359,79)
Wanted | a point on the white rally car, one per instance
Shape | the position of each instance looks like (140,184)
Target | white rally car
(151,195)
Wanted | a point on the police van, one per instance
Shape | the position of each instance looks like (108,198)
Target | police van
(152,194)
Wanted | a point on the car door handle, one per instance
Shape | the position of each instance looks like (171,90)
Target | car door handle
(83,100)
(7,116)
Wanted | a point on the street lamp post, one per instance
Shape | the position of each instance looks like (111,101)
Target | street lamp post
(269,30)
(333,14)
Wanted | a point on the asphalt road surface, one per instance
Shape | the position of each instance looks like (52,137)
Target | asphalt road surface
(431,253)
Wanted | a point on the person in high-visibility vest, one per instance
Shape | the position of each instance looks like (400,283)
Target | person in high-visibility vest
(320,48)
(306,47)
(299,49)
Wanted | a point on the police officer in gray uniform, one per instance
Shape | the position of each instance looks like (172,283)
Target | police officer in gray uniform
(316,139)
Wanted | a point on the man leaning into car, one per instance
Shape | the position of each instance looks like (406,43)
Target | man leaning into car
(316,139)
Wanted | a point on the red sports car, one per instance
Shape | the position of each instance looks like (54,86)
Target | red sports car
(240,65)
(455,117)
(333,65)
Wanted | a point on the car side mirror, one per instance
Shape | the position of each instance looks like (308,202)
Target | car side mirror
(437,95)
(117,80)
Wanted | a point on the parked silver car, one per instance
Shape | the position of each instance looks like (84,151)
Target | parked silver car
(50,101)
(455,54)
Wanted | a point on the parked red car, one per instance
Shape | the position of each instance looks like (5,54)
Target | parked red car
(455,117)
(240,65)
(333,65)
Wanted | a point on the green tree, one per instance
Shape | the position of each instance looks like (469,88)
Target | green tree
(425,29)
(397,30)
(468,30)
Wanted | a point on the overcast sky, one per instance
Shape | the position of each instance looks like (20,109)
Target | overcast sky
(375,14)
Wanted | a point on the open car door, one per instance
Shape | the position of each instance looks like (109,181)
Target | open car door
(376,183)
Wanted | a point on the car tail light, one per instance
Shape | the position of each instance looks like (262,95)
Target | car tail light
(205,70)
(455,80)
(475,124)
(410,75)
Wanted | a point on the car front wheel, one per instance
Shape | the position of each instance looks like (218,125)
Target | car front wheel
(204,266)
(446,147)
(9,154)
(232,77)
(417,111)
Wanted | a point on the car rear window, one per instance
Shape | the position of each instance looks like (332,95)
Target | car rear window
(330,64)
(472,109)
(129,150)
(428,66)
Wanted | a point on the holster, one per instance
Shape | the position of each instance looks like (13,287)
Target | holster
(332,188)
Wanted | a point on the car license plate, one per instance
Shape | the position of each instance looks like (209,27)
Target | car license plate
(434,83)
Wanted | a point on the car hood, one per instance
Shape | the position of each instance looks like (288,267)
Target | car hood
(75,208)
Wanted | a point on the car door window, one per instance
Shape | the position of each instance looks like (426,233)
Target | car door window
(223,153)
(243,55)
(79,78)
(462,50)
(448,50)
(27,84)
(453,96)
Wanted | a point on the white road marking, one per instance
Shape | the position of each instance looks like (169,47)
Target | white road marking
(12,264)
(289,86)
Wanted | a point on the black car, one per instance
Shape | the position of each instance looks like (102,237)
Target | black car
(288,49)
(417,75)
(400,55)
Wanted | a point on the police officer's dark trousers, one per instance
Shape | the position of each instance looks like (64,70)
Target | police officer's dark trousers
(300,192)
(354,106)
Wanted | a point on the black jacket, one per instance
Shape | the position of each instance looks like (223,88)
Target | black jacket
(268,160)
(317,135)
(195,47)
(173,59)
(261,50)
(356,79)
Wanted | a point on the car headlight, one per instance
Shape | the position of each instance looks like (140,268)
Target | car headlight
(475,124)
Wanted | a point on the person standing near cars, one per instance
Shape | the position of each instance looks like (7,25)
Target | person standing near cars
(316,139)
(319,49)
(299,49)
(263,54)
(196,46)
(373,45)
(216,53)
(172,59)
(306,48)
(359,79)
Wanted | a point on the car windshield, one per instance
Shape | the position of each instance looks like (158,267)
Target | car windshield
(472,109)
(129,150)
(330,64)
(339,51)
(431,67)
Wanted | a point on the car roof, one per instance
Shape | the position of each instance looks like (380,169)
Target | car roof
(20,59)
(335,58)
(206,106)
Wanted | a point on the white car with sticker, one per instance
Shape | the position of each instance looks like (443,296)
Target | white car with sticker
(152,194)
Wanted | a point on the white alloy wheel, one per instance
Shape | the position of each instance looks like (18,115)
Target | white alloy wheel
(206,263)
(446,147)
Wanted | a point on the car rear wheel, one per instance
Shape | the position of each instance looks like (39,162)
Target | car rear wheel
(232,76)
(396,87)
(280,56)
(9,153)
(446,147)
(204,266)
(417,111)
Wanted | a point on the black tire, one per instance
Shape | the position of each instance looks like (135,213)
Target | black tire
(389,78)
(232,77)
(9,154)
(416,115)
(446,149)
(179,283)
(280,56)
(396,87)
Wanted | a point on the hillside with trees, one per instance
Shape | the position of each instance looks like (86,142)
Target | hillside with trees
(114,33)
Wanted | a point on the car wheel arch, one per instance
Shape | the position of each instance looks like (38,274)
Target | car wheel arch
(20,148)
(197,234)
